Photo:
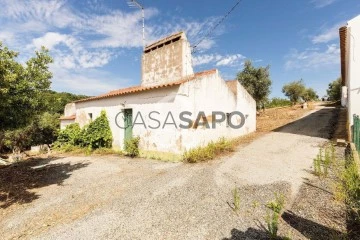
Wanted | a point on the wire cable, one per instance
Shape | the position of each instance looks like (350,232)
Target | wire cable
(215,26)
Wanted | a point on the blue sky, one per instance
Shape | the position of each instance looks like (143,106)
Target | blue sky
(97,44)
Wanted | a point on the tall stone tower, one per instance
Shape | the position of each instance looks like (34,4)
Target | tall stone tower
(166,60)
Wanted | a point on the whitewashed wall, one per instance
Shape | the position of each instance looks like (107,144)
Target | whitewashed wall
(65,122)
(354,68)
(207,93)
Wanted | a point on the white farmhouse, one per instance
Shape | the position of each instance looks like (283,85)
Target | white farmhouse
(169,93)
(350,68)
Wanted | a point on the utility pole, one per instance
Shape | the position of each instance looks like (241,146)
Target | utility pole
(136,4)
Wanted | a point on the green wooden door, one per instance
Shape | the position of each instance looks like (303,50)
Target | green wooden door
(128,124)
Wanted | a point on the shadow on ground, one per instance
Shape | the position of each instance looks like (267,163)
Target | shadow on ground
(324,120)
(17,180)
(251,234)
(310,229)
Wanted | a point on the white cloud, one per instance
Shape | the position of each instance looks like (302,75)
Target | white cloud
(50,40)
(7,36)
(230,60)
(313,59)
(72,54)
(82,40)
(89,82)
(205,59)
(322,3)
(217,59)
(328,35)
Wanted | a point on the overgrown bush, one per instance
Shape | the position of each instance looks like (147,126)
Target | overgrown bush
(42,130)
(132,147)
(70,135)
(208,152)
(98,133)
(18,140)
(93,136)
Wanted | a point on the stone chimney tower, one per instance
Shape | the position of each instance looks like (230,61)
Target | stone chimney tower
(166,60)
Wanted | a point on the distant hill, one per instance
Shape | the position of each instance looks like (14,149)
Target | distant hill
(56,101)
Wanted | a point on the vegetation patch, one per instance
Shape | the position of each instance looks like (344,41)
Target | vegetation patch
(209,152)
(348,189)
(278,102)
(96,135)
(324,160)
(161,156)
(132,147)
(272,218)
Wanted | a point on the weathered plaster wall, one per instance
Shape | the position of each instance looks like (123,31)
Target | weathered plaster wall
(70,109)
(64,123)
(160,100)
(210,93)
(207,93)
(167,63)
(354,68)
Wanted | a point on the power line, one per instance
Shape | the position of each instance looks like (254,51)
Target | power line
(215,26)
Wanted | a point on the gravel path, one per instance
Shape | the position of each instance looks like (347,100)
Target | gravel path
(112,198)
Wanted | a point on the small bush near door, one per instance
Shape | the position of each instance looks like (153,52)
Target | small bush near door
(132,147)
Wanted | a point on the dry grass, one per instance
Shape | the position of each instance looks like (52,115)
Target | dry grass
(270,120)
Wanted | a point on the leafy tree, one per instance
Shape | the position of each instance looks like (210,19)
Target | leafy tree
(45,129)
(18,140)
(310,95)
(21,87)
(54,102)
(256,81)
(334,90)
(294,90)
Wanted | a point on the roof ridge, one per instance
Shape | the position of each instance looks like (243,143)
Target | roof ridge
(139,88)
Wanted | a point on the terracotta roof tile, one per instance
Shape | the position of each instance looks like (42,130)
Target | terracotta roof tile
(135,89)
(72,117)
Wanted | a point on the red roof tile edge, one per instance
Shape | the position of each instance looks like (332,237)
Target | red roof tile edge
(72,117)
(140,88)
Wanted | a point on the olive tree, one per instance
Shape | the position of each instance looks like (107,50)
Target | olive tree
(256,81)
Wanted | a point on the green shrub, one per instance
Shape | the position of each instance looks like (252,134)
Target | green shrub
(132,147)
(98,133)
(70,135)
(208,152)
(19,139)
(93,136)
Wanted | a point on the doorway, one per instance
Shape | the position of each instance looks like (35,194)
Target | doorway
(128,124)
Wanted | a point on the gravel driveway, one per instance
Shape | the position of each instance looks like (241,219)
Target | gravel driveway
(113,198)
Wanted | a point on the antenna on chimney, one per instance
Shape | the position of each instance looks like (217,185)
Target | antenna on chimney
(136,4)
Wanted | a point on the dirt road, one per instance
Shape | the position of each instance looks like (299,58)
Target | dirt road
(112,198)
